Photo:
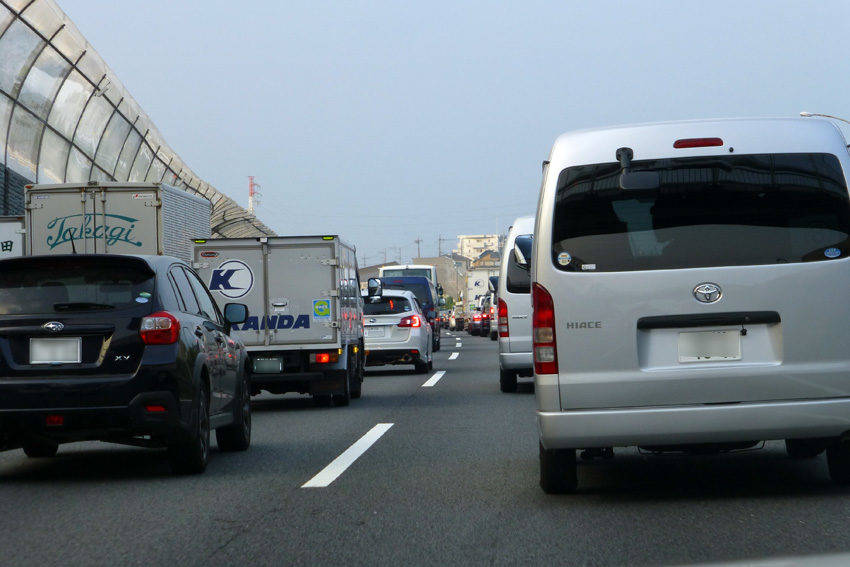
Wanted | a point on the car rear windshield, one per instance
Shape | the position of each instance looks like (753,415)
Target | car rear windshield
(706,211)
(386,306)
(70,285)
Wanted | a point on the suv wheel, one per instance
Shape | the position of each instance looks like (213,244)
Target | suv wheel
(421,367)
(40,448)
(237,436)
(558,470)
(507,380)
(191,456)
(838,459)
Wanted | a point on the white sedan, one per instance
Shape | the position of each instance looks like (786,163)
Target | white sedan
(396,331)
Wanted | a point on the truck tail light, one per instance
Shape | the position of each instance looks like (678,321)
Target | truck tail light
(325,357)
(160,328)
(543,331)
(504,332)
(411,321)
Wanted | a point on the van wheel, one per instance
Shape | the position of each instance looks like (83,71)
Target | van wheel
(558,470)
(237,436)
(493,336)
(191,456)
(40,449)
(838,459)
(804,448)
(507,380)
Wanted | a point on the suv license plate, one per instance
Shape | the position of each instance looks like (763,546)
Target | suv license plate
(709,346)
(56,351)
(374,332)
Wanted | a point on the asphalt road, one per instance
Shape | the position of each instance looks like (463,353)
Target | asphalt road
(453,480)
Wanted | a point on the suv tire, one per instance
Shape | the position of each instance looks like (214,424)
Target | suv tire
(421,367)
(838,459)
(237,436)
(192,455)
(558,470)
(507,380)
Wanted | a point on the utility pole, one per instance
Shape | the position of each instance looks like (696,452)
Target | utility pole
(253,194)
(418,241)
(440,241)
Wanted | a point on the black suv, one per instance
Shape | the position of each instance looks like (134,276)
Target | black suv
(125,349)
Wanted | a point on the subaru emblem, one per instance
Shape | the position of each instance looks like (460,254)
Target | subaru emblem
(53,326)
(708,292)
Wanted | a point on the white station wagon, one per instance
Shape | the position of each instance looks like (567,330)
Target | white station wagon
(690,290)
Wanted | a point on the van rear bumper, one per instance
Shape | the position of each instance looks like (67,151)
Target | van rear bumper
(579,429)
(516,361)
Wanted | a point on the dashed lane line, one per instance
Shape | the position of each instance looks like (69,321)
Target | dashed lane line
(454,355)
(432,381)
(339,465)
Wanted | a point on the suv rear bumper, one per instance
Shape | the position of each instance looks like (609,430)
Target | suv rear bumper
(579,429)
(516,361)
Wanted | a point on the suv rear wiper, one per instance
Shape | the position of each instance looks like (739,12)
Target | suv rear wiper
(81,305)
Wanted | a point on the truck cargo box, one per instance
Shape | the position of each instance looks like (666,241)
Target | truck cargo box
(114,218)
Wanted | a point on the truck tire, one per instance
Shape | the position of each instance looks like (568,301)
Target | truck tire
(192,455)
(237,435)
(558,470)
(507,380)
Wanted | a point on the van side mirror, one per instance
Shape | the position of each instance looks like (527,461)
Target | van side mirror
(520,258)
(235,313)
(374,287)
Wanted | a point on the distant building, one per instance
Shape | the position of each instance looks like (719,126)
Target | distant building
(472,245)
(367,272)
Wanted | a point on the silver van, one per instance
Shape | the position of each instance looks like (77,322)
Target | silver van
(690,285)
(513,312)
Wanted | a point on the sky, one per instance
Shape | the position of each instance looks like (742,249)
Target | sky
(387,122)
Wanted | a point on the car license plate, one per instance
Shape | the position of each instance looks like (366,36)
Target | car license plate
(709,346)
(56,350)
(374,332)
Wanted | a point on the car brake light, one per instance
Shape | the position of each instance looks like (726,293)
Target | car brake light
(543,331)
(54,420)
(410,321)
(503,319)
(160,328)
(697,143)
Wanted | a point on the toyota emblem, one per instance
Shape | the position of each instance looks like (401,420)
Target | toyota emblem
(708,292)
(53,326)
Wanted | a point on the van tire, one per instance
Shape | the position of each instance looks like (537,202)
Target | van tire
(41,449)
(192,455)
(494,335)
(838,460)
(804,448)
(558,470)
(507,380)
(237,435)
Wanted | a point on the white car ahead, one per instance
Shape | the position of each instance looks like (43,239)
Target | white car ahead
(396,331)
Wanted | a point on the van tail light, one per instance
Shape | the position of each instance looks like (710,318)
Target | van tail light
(160,328)
(543,331)
(411,321)
(697,143)
(504,332)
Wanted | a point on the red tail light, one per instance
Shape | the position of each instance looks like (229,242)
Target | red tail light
(476,317)
(155,409)
(411,321)
(503,319)
(161,328)
(697,143)
(543,331)
(325,357)
(54,420)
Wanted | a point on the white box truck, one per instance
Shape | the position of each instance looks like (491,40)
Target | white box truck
(11,236)
(114,218)
(305,332)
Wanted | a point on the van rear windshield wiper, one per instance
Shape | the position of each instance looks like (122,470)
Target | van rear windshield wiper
(81,306)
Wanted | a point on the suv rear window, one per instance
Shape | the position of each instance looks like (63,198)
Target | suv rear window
(707,211)
(386,306)
(68,285)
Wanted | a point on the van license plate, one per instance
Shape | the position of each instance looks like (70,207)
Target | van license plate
(56,351)
(709,346)
(374,332)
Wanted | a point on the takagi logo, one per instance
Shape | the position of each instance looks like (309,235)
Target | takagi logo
(233,278)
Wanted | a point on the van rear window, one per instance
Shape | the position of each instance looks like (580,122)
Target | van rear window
(48,285)
(706,211)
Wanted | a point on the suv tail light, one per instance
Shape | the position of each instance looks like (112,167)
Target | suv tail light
(160,328)
(543,331)
(411,321)
(503,319)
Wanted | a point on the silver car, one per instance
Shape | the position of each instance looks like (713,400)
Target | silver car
(689,286)
(397,331)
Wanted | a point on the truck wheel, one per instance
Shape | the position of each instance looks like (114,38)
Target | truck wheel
(507,380)
(838,460)
(558,470)
(237,436)
(191,456)
(357,387)
(40,449)
(804,448)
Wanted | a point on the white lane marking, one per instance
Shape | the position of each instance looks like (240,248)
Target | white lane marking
(338,466)
(454,355)
(458,345)
(432,381)
(448,334)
